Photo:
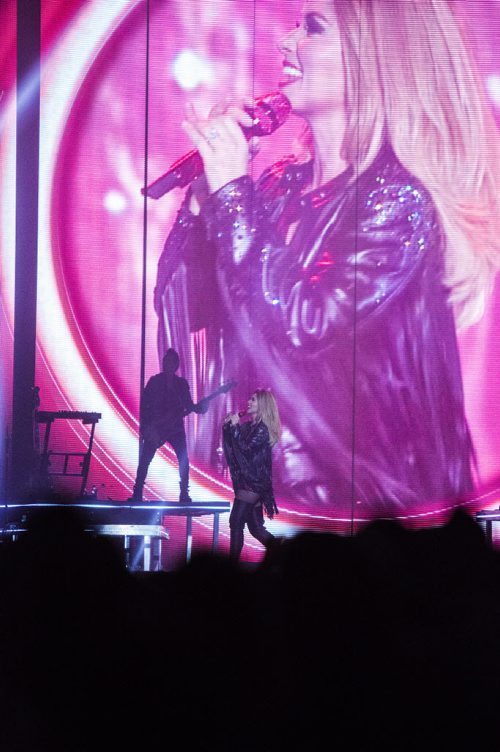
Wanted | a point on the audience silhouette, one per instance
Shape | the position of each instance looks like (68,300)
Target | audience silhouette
(388,637)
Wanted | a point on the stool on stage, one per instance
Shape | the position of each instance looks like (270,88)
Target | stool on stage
(68,468)
(151,535)
(486,518)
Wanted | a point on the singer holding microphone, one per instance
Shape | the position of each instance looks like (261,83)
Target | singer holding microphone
(248,451)
(342,274)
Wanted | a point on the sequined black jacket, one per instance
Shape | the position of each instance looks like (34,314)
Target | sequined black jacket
(249,457)
(349,322)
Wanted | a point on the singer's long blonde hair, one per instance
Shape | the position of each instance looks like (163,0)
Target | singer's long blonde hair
(410,77)
(267,412)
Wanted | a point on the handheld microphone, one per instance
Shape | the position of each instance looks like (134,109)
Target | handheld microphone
(240,414)
(268,114)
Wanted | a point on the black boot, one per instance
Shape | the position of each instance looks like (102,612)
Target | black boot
(237,521)
(184,497)
(136,497)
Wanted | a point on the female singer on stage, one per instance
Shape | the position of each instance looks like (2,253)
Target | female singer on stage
(342,273)
(248,451)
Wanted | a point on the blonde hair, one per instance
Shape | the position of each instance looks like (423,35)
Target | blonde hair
(410,77)
(267,412)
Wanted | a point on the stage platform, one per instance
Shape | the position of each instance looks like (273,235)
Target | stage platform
(147,521)
(487,518)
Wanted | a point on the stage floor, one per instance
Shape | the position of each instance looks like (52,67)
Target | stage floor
(144,528)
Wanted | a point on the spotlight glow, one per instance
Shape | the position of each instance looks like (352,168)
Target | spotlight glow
(190,70)
(115,202)
(493,87)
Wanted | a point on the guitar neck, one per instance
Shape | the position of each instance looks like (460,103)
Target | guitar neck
(213,395)
(221,390)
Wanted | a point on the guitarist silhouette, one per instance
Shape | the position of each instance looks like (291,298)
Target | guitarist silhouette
(165,402)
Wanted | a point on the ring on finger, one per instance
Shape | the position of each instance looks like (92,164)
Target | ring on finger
(213,133)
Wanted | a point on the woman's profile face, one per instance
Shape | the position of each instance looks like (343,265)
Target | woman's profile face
(313,71)
(252,407)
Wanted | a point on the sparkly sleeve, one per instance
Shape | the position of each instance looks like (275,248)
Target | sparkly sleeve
(240,220)
(358,263)
(183,237)
(235,218)
(363,253)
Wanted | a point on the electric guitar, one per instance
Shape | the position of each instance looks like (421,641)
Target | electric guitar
(154,431)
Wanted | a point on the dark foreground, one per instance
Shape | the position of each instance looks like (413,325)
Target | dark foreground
(390,638)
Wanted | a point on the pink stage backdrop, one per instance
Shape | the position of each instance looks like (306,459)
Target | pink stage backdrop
(93,225)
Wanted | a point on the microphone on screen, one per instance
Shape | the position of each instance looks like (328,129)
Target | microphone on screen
(268,113)
(242,413)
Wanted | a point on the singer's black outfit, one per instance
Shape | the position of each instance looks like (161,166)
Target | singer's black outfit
(249,457)
(350,318)
(166,400)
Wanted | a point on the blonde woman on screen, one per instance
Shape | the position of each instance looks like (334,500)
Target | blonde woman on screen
(347,268)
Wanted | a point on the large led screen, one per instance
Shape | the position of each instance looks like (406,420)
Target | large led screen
(350,279)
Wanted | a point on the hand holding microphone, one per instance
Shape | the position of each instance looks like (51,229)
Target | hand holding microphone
(221,144)
(234,418)
(221,140)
